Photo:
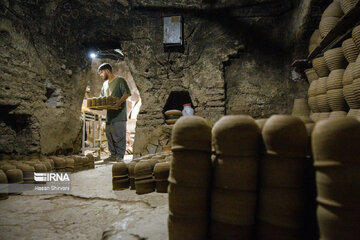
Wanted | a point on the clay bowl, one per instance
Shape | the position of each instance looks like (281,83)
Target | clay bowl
(313,104)
(336,100)
(333,10)
(312,88)
(335,59)
(327,24)
(347,5)
(320,67)
(356,36)
(321,86)
(285,135)
(352,101)
(347,77)
(236,135)
(311,75)
(350,50)
(335,79)
(322,103)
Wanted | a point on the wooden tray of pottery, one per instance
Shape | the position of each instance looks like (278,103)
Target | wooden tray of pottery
(105,107)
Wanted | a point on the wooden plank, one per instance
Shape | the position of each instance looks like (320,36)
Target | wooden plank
(339,32)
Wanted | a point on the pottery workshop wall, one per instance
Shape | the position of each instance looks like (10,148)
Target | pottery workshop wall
(230,57)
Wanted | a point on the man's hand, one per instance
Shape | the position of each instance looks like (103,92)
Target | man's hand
(117,103)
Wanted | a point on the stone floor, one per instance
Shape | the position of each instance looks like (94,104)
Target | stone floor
(92,211)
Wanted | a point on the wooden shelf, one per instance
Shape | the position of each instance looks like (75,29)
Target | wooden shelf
(339,32)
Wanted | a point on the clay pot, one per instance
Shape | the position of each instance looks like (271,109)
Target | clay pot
(337,114)
(324,116)
(335,59)
(70,164)
(3,180)
(347,77)
(350,50)
(336,140)
(120,176)
(327,24)
(322,103)
(15,176)
(300,108)
(40,167)
(313,104)
(312,47)
(336,100)
(356,88)
(144,182)
(320,67)
(170,121)
(356,36)
(334,80)
(338,223)
(315,37)
(285,136)
(191,133)
(161,174)
(321,86)
(233,207)
(311,75)
(350,97)
(236,135)
(333,10)
(347,5)
(356,69)
(60,164)
(227,231)
(182,205)
(7,167)
(312,88)
(354,113)
(28,173)
(173,112)
(187,228)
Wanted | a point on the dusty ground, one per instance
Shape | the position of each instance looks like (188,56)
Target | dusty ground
(91,211)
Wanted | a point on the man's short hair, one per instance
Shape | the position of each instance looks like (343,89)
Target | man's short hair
(105,66)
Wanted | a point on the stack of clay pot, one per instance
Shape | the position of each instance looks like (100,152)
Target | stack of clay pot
(91,159)
(190,179)
(234,191)
(347,5)
(311,75)
(336,62)
(120,176)
(15,176)
(78,163)
(356,77)
(337,156)
(161,175)
(283,200)
(356,36)
(60,163)
(28,173)
(144,182)
(3,180)
(172,116)
(330,18)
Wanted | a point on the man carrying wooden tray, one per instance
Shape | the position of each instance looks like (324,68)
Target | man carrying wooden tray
(115,119)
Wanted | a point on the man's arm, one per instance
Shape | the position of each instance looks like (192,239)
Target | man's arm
(121,100)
